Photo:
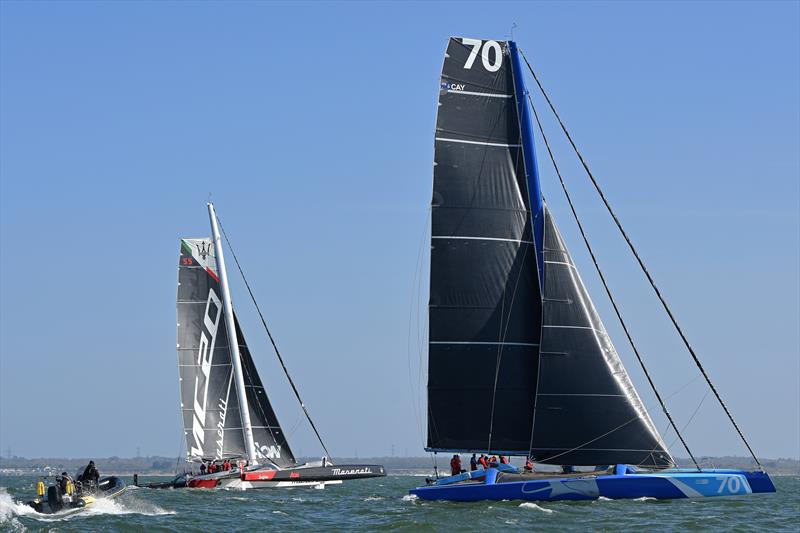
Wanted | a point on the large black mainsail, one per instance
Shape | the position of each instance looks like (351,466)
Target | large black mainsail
(518,360)
(484,295)
(209,404)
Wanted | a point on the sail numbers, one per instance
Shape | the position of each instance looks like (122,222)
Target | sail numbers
(478,46)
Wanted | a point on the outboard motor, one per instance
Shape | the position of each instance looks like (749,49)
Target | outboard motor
(54,498)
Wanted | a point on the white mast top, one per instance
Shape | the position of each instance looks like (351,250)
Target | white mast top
(233,340)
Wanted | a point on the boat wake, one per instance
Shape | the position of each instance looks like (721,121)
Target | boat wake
(530,505)
(11,510)
(125,506)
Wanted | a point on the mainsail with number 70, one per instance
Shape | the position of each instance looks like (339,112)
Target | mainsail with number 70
(506,296)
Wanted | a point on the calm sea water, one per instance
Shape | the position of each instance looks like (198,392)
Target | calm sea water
(382,505)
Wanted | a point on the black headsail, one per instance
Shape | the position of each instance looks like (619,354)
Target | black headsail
(484,295)
(587,410)
(502,284)
(209,404)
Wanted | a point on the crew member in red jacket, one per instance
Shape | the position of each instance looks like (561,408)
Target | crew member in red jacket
(455,465)
(484,463)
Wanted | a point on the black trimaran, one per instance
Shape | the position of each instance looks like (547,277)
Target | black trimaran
(226,412)
(505,294)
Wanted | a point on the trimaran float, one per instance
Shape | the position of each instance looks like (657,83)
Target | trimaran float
(225,410)
(505,294)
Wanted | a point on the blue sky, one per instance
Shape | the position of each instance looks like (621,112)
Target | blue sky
(312,127)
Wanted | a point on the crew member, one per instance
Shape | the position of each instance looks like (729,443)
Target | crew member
(484,463)
(62,482)
(202,469)
(493,461)
(455,465)
(90,473)
(529,464)
(473,463)
(503,460)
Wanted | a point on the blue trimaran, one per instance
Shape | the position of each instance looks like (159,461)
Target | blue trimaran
(505,295)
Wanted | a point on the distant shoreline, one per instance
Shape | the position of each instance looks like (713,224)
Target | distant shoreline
(167,466)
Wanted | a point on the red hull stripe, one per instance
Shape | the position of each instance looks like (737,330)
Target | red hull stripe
(259,476)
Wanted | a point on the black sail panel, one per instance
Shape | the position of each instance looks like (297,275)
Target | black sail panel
(587,410)
(484,291)
(209,405)
(270,442)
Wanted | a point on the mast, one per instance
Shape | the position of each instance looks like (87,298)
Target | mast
(233,340)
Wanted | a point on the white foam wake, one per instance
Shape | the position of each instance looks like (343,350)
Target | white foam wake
(11,509)
(104,506)
(531,505)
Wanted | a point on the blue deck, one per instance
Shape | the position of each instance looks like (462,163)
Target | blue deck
(626,483)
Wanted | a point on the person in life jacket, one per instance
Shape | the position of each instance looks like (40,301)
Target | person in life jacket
(493,461)
(484,463)
(529,464)
(90,473)
(473,463)
(503,460)
(455,465)
(63,481)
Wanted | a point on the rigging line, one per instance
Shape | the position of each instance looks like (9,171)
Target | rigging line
(505,333)
(605,284)
(272,340)
(421,338)
(641,264)
(592,440)
(540,275)
(415,296)
(696,410)
(258,403)
(502,343)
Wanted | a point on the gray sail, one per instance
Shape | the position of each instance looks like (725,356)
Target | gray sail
(484,293)
(587,409)
(209,403)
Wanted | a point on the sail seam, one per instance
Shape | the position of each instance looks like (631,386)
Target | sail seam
(490,343)
(482,143)
(467,238)
(581,394)
(474,93)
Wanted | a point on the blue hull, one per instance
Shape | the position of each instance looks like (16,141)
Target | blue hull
(626,484)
